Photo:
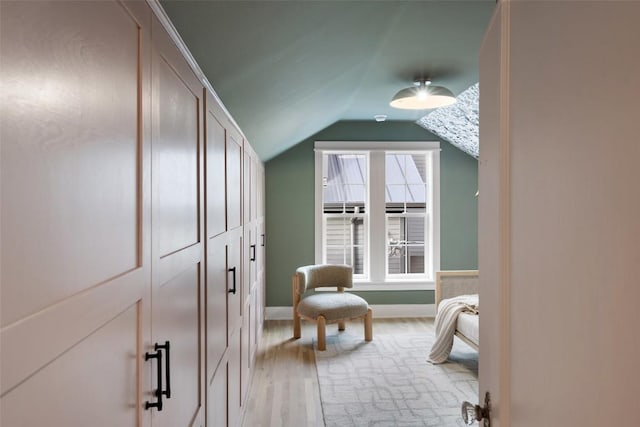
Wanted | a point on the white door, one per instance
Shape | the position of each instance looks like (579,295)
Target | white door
(559,213)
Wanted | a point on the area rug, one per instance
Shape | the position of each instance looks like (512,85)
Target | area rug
(388,381)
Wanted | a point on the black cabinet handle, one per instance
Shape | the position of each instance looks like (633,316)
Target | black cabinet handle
(262,240)
(253,250)
(233,290)
(167,366)
(158,392)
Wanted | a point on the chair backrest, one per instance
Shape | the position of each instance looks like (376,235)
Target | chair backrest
(324,276)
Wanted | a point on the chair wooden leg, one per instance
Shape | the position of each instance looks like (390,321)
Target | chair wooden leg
(322,338)
(341,325)
(368,327)
(296,301)
(296,325)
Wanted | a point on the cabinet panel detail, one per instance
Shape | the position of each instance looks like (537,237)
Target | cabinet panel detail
(176,319)
(255,189)
(245,353)
(217,398)
(102,385)
(215,181)
(234,182)
(233,397)
(175,148)
(247,190)
(216,301)
(234,277)
(70,150)
(30,344)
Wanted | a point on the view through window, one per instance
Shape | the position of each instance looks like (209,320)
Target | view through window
(378,213)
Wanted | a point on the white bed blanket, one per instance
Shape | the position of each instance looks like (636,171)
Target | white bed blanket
(445,324)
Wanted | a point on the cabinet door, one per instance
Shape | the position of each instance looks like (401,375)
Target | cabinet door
(176,319)
(177,274)
(248,256)
(254,256)
(216,302)
(234,281)
(215,171)
(245,352)
(234,306)
(254,325)
(75,252)
(234,179)
(259,285)
(260,245)
(260,191)
(217,398)
(247,171)
(234,380)
(254,188)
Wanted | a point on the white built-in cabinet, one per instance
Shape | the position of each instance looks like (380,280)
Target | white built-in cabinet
(132,262)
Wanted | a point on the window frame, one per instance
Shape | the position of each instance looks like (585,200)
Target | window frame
(376,278)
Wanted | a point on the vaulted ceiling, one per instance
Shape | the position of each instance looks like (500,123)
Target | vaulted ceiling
(288,69)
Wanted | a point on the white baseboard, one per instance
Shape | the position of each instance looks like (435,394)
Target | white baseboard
(379,311)
(404,310)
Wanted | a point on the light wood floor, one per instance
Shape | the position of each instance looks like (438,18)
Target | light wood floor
(285,391)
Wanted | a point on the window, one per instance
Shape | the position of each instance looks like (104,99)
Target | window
(377,210)
(405,208)
(344,207)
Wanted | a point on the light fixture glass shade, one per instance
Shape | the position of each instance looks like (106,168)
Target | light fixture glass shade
(423,98)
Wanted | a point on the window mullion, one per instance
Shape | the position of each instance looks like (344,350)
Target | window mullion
(377,223)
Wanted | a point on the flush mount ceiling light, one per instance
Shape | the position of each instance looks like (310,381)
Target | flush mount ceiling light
(423,96)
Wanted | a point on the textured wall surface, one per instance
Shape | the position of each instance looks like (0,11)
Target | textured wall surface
(458,123)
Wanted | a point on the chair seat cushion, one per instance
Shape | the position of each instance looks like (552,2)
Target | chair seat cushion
(333,306)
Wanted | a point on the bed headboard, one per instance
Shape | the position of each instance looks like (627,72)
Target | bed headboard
(453,283)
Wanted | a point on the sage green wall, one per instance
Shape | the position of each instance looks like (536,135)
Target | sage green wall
(290,208)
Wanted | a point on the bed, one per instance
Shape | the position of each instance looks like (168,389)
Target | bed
(457,312)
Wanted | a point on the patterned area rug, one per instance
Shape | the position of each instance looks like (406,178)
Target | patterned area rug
(388,381)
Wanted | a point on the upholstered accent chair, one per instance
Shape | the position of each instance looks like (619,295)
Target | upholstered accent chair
(327,307)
